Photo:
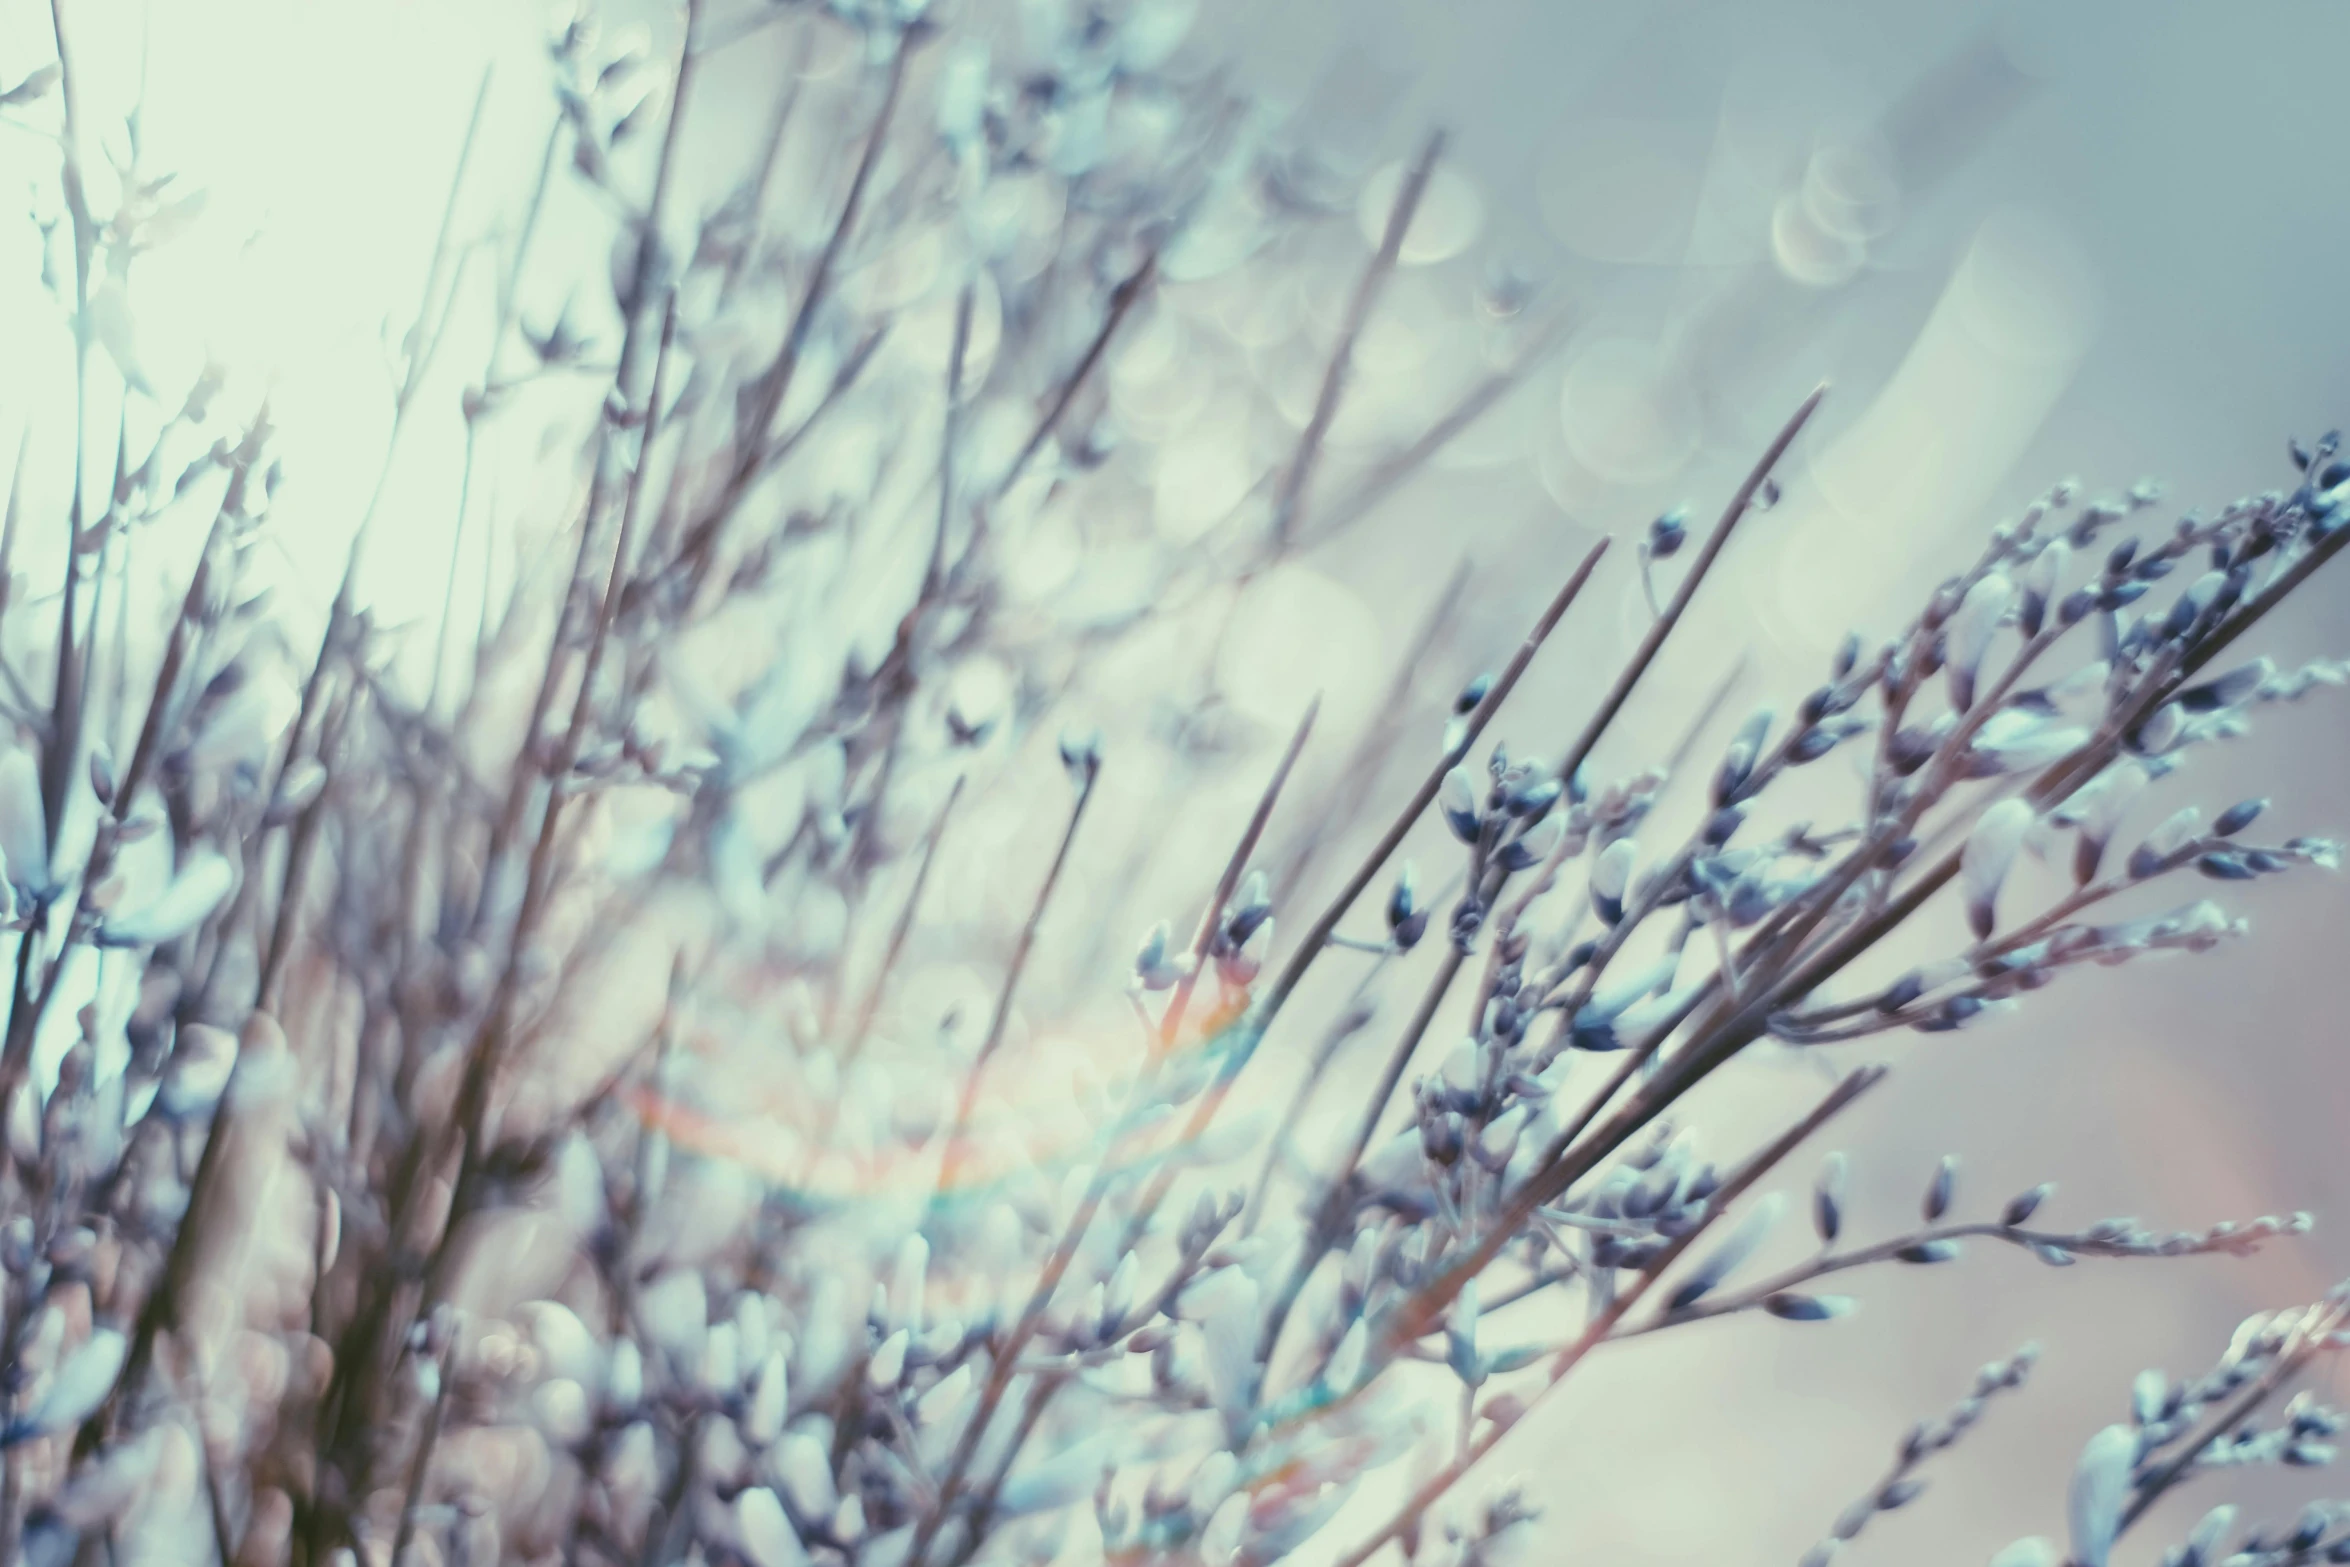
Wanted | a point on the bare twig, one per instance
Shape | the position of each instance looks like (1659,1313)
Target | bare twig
(959,1129)
(871,1005)
(1318,934)
(1415,1315)
(1291,494)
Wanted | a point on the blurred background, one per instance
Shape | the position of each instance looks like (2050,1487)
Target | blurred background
(2020,243)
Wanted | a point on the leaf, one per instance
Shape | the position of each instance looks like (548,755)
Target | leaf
(767,1536)
(1985,861)
(2101,1487)
(33,87)
(195,892)
(1968,638)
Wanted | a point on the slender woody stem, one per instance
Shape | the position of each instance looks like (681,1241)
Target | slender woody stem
(1318,935)
(855,1043)
(1005,1364)
(1292,492)
(959,1130)
(1604,1324)
(1662,627)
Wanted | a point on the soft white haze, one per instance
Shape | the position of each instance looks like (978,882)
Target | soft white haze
(2101,239)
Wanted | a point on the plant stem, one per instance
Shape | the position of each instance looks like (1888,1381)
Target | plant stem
(1662,626)
(1291,494)
(1318,935)
(855,1043)
(959,1129)
(1603,1325)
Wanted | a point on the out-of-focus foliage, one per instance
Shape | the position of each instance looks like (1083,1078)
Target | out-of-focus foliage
(598,1092)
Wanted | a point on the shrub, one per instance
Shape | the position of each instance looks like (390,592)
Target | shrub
(539,1103)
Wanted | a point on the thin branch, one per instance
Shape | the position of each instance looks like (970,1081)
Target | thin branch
(1352,1020)
(1229,881)
(1122,299)
(1318,935)
(1662,627)
(1329,1210)
(774,386)
(1414,1318)
(1385,476)
(1006,1357)
(959,1129)
(24,440)
(1291,494)
(1359,771)
(855,1043)
(2082,1244)
(2312,1335)
(524,782)
(1171,1021)
(420,1464)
